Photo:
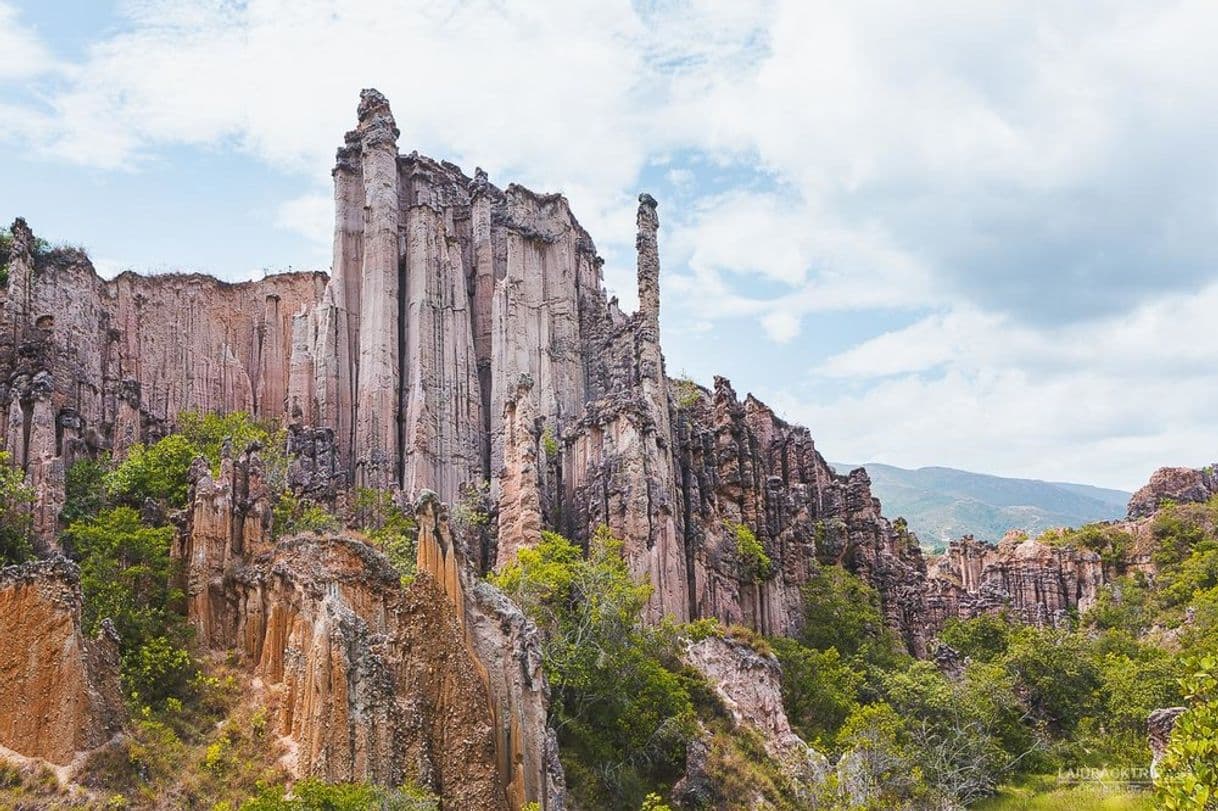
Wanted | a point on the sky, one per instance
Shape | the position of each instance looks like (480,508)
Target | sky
(960,233)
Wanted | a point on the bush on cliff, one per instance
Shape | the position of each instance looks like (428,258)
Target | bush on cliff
(15,523)
(211,432)
(158,472)
(126,574)
(623,716)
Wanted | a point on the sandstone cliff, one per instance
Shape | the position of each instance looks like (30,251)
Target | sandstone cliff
(463,338)
(439,683)
(59,690)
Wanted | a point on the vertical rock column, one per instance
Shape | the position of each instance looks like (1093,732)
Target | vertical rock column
(338,315)
(376,436)
(651,360)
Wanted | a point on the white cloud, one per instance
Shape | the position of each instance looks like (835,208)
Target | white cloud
(1038,180)
(311,216)
(22,52)
(1108,400)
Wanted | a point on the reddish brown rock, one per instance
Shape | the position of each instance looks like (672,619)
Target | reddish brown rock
(1031,581)
(1173,484)
(59,691)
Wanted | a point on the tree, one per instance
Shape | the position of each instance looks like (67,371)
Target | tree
(623,716)
(819,690)
(125,574)
(983,638)
(84,489)
(16,523)
(843,612)
(1187,778)
(159,472)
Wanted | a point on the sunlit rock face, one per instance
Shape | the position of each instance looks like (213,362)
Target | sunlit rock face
(464,337)
(59,689)
(439,683)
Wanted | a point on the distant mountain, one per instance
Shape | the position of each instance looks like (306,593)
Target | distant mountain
(941,503)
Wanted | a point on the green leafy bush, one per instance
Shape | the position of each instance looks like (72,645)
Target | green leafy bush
(209,432)
(623,715)
(389,528)
(126,575)
(292,516)
(755,564)
(158,471)
(1187,778)
(85,489)
(16,524)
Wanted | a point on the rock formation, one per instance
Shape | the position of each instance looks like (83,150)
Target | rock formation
(1173,484)
(439,682)
(749,686)
(59,690)
(1032,581)
(463,339)
(1159,726)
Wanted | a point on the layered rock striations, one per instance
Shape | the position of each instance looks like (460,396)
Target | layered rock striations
(89,365)
(1031,581)
(59,689)
(439,682)
(464,340)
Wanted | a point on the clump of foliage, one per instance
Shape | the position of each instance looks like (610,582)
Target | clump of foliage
(315,795)
(843,612)
(16,524)
(549,443)
(688,393)
(292,515)
(210,432)
(755,564)
(126,576)
(394,532)
(1112,543)
(623,711)
(1187,779)
(85,489)
(158,472)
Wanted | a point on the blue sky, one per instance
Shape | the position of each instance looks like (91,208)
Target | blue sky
(977,235)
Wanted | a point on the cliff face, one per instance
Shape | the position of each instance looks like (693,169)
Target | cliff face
(1032,581)
(1041,583)
(439,682)
(87,364)
(464,337)
(59,691)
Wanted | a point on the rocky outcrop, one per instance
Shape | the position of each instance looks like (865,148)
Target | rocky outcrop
(1159,726)
(748,684)
(59,690)
(1029,580)
(440,682)
(1173,484)
(404,370)
(89,365)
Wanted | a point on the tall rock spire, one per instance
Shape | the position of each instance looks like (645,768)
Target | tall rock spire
(376,437)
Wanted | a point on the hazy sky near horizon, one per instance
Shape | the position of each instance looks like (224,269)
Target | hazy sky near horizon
(979,235)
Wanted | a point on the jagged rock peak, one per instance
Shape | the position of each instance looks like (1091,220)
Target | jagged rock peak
(1177,484)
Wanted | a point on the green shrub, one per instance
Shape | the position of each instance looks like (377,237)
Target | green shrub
(983,638)
(389,528)
(209,432)
(819,690)
(85,489)
(315,795)
(755,564)
(1187,778)
(623,716)
(16,523)
(159,472)
(126,574)
(292,516)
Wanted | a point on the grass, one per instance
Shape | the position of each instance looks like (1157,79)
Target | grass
(1045,793)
